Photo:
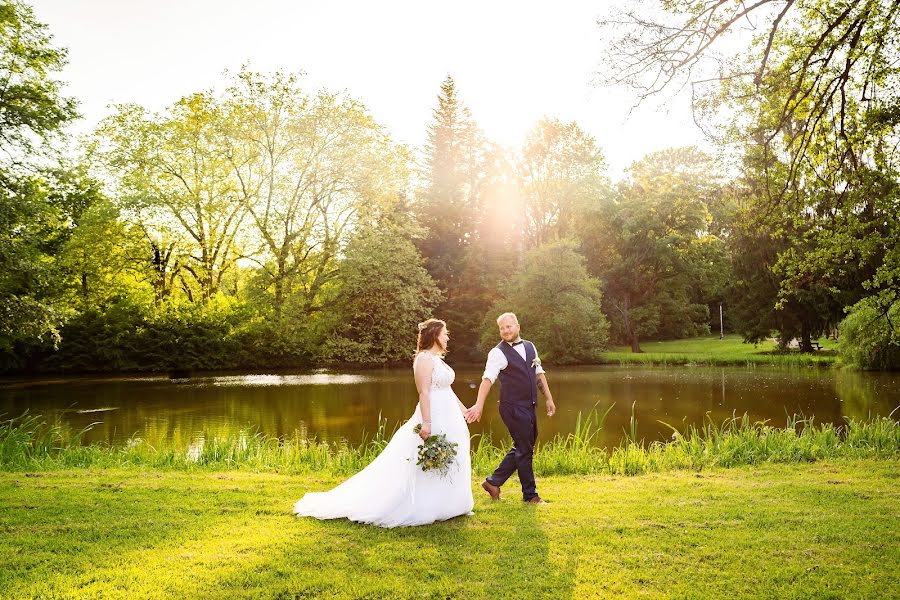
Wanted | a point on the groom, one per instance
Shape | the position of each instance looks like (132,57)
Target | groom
(516,363)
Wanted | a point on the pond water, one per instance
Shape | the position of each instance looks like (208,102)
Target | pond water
(346,406)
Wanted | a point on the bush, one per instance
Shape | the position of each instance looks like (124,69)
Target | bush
(384,292)
(869,339)
(124,336)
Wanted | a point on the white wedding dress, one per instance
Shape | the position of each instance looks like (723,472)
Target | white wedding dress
(393,491)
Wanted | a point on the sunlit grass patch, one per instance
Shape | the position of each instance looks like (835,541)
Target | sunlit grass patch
(754,531)
(710,350)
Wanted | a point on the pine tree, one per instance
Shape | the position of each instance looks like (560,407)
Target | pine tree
(448,208)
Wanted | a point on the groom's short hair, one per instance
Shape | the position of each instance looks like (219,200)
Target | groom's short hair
(508,314)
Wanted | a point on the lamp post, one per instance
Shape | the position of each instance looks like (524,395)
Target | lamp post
(721,323)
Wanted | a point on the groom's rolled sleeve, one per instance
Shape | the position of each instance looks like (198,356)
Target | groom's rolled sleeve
(538,369)
(496,362)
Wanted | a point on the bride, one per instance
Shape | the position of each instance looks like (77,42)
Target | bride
(394,491)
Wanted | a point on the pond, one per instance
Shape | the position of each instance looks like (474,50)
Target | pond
(345,407)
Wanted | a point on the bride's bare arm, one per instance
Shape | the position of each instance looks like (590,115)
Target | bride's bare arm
(474,413)
(423,370)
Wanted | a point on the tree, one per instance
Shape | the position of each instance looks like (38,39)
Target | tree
(384,292)
(642,242)
(831,63)
(448,205)
(98,258)
(32,107)
(172,176)
(754,296)
(560,169)
(303,168)
(558,304)
(33,111)
(870,340)
(800,262)
(450,208)
(816,96)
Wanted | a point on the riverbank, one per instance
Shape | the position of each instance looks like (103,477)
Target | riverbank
(706,350)
(712,351)
(30,443)
(813,531)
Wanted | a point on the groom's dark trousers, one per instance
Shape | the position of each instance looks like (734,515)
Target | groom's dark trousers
(518,397)
(521,421)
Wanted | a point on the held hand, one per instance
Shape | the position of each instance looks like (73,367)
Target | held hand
(551,407)
(473,414)
(425,432)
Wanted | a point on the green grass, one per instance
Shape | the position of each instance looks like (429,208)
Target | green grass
(710,350)
(826,530)
(805,511)
(31,443)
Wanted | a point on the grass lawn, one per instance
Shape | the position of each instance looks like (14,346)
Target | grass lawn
(711,350)
(821,530)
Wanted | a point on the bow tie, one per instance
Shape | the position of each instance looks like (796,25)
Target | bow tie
(517,343)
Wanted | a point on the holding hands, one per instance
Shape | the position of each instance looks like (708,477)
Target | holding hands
(473,414)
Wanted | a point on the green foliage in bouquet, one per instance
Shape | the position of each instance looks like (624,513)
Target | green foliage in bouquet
(436,453)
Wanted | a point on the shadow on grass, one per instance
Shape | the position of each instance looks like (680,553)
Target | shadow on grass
(501,551)
(82,533)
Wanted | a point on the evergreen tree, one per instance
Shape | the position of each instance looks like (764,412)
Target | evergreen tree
(450,211)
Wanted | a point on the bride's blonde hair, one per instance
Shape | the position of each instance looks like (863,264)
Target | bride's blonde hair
(429,330)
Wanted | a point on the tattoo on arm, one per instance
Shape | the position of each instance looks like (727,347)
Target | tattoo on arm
(542,388)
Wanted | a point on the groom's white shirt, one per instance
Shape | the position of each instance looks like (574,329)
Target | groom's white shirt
(496,362)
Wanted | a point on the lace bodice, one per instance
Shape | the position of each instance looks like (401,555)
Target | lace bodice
(442,376)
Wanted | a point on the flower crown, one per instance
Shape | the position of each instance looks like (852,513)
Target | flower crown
(421,326)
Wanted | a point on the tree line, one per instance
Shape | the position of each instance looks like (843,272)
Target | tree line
(267,225)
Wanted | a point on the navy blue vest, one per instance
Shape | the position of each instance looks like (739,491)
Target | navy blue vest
(518,382)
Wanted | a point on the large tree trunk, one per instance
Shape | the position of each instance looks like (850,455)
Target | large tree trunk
(635,346)
(626,316)
(805,339)
(159,273)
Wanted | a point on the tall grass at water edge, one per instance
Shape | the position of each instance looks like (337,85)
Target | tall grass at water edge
(31,442)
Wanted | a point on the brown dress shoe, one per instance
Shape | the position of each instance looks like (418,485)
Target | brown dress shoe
(536,500)
(491,489)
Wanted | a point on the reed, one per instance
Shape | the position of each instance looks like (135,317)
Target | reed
(30,442)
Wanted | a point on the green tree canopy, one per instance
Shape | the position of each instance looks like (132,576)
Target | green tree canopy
(32,112)
(384,292)
(812,104)
(646,244)
(558,306)
(560,169)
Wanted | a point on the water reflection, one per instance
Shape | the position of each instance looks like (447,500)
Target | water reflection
(343,406)
(270,380)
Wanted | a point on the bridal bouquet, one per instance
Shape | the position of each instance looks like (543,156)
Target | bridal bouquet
(437,452)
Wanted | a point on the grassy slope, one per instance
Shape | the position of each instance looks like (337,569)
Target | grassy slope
(807,531)
(711,350)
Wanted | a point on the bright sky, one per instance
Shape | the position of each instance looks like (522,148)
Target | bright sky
(513,61)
